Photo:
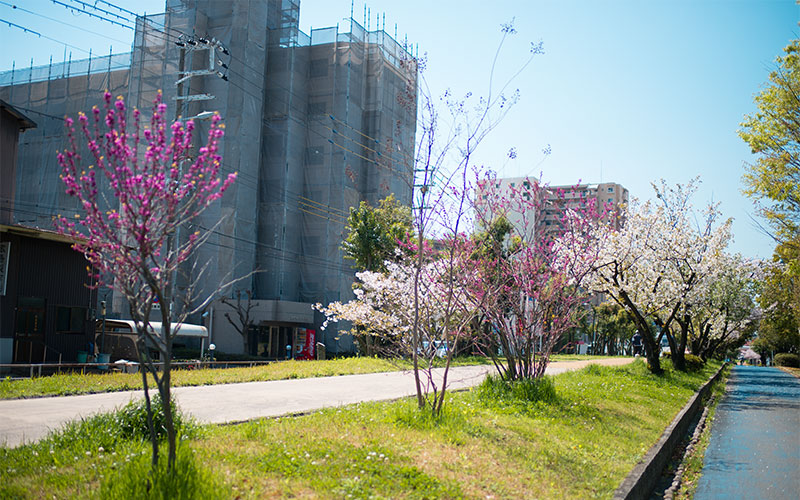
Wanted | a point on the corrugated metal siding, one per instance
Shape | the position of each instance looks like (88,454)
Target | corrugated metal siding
(55,272)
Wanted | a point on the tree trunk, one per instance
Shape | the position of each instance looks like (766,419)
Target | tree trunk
(143,363)
(651,349)
(165,386)
(416,327)
(684,337)
(677,361)
(678,346)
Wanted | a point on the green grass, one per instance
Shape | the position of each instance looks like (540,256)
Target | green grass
(76,383)
(581,357)
(791,370)
(579,442)
(90,454)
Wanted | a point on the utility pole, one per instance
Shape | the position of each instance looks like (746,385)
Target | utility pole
(191,45)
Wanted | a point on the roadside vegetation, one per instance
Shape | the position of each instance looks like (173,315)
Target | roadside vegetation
(573,435)
(66,384)
(76,383)
(793,371)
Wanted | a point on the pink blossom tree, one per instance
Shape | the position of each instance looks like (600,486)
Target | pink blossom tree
(139,185)
(528,278)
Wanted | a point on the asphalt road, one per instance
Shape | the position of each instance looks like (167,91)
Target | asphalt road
(754,451)
(27,420)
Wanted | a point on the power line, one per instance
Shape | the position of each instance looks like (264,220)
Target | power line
(117,7)
(17,7)
(259,86)
(72,8)
(61,118)
(27,30)
(95,7)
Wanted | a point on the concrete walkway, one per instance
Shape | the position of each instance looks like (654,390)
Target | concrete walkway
(754,451)
(27,420)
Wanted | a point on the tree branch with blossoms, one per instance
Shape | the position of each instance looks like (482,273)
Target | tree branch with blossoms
(141,184)
(528,276)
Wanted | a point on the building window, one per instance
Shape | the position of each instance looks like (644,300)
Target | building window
(611,200)
(611,190)
(70,319)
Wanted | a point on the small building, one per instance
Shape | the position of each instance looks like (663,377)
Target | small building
(46,298)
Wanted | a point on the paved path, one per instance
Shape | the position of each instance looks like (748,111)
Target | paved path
(754,451)
(26,420)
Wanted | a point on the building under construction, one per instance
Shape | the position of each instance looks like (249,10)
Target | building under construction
(315,123)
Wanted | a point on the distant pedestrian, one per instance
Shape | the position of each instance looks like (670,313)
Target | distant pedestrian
(636,341)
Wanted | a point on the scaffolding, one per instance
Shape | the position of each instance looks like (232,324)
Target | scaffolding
(315,124)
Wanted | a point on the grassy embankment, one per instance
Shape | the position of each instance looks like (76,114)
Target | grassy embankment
(576,436)
(89,383)
(791,370)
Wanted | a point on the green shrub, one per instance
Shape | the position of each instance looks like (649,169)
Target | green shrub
(131,420)
(524,392)
(693,363)
(787,359)
(137,479)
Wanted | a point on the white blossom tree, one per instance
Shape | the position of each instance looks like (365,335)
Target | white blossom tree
(658,265)
(694,256)
(426,325)
(727,311)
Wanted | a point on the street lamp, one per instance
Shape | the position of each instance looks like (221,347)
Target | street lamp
(103,330)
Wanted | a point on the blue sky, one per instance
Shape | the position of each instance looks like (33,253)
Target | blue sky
(626,91)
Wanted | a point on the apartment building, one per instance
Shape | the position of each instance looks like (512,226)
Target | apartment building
(529,214)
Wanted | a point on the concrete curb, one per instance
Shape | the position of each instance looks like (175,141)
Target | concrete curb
(642,479)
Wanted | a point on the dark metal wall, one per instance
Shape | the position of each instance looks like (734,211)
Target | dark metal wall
(52,271)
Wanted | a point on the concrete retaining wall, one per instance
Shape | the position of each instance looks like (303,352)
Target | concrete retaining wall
(640,482)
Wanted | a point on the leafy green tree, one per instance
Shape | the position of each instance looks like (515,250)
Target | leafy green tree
(613,325)
(773,133)
(779,329)
(375,233)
